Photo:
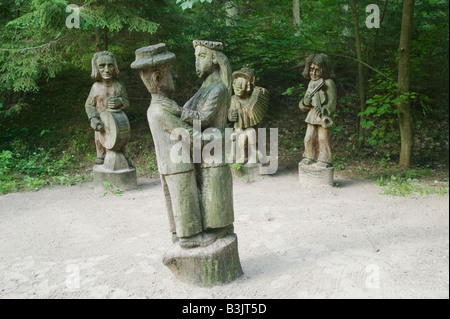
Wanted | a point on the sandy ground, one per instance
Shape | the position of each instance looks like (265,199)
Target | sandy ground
(342,242)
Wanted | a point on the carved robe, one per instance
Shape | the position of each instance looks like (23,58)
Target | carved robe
(210,106)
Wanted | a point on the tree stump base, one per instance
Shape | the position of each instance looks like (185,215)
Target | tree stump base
(250,169)
(313,175)
(209,266)
(125,179)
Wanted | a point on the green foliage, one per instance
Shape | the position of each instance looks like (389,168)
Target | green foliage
(117,16)
(117,191)
(34,170)
(236,166)
(380,116)
(297,91)
(37,45)
(408,187)
(187,4)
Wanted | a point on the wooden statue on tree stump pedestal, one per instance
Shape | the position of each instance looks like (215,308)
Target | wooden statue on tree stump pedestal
(104,107)
(199,196)
(316,167)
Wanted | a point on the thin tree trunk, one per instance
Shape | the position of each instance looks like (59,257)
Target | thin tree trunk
(361,93)
(105,38)
(404,107)
(296,12)
(97,40)
(232,10)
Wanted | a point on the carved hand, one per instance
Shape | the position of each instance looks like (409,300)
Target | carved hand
(171,107)
(97,124)
(307,100)
(303,107)
(234,116)
(114,102)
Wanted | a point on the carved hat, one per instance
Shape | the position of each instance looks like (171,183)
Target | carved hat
(152,56)
(216,46)
(246,73)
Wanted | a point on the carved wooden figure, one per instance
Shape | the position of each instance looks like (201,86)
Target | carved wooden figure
(320,103)
(107,93)
(199,196)
(104,108)
(248,107)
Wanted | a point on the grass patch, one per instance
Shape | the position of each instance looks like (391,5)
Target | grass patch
(410,187)
(32,171)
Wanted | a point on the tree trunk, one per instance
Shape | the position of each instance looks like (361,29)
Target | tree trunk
(404,107)
(97,40)
(296,12)
(361,93)
(105,38)
(232,10)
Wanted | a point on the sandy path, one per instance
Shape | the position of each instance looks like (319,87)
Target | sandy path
(344,242)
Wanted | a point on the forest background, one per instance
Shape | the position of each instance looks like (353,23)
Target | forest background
(45,137)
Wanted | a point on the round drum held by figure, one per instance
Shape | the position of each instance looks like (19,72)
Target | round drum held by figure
(117,129)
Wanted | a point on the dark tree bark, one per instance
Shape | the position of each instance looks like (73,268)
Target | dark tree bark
(404,107)
(361,93)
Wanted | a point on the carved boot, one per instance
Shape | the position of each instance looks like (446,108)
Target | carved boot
(211,235)
(191,241)
(323,164)
(307,161)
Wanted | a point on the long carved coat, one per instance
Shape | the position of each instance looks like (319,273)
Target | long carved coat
(210,106)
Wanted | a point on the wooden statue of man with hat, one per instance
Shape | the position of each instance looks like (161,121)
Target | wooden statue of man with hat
(178,179)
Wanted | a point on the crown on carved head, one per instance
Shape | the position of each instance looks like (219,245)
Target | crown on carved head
(216,46)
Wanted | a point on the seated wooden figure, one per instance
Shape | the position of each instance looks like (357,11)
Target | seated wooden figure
(248,107)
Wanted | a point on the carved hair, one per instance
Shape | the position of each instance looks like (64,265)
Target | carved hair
(152,77)
(225,72)
(323,61)
(95,72)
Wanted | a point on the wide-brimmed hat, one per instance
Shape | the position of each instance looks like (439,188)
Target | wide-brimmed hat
(246,73)
(152,56)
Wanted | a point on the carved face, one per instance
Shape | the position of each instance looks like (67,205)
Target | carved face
(158,80)
(204,61)
(167,83)
(106,67)
(241,86)
(315,72)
